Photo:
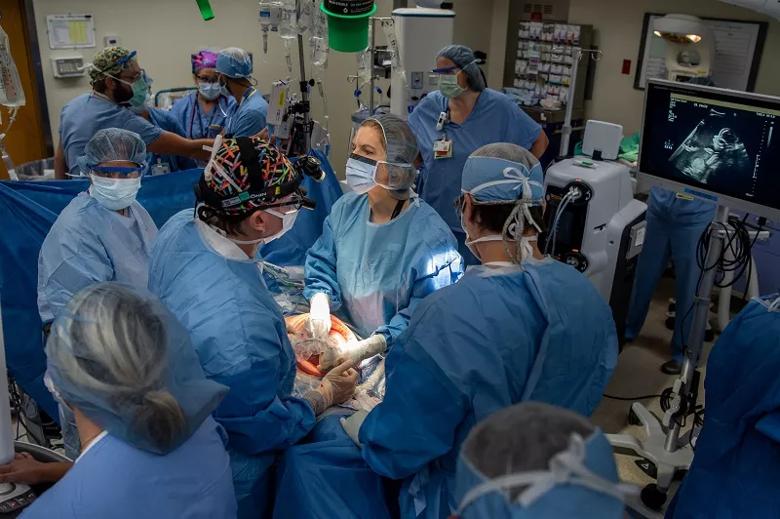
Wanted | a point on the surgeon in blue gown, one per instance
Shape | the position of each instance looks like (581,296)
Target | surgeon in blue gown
(471,116)
(119,84)
(248,116)
(559,463)
(206,269)
(202,113)
(675,222)
(103,234)
(382,249)
(518,327)
(142,404)
(736,466)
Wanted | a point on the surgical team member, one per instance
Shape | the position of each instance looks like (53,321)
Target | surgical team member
(675,221)
(128,372)
(534,460)
(519,327)
(736,466)
(103,234)
(382,249)
(202,114)
(453,121)
(234,68)
(118,83)
(207,271)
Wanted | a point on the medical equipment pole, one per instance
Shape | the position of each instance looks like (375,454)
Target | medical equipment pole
(304,84)
(700,317)
(563,151)
(373,56)
(566,130)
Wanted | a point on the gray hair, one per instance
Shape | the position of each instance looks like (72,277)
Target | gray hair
(522,438)
(110,352)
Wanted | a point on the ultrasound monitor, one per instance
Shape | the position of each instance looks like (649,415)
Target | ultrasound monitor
(714,144)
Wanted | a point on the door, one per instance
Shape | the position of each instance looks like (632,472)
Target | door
(28,138)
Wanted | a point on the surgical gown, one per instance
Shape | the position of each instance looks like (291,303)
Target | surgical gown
(495,118)
(90,244)
(88,113)
(378,273)
(239,334)
(674,226)
(166,121)
(114,479)
(736,466)
(497,337)
(198,124)
(248,117)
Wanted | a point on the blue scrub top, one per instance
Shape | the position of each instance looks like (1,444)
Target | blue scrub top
(165,120)
(83,116)
(736,469)
(497,337)
(114,479)
(495,118)
(90,244)
(378,273)
(248,117)
(198,124)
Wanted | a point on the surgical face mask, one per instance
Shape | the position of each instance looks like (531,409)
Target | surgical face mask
(223,89)
(526,242)
(209,91)
(449,87)
(360,173)
(114,193)
(148,103)
(288,220)
(139,89)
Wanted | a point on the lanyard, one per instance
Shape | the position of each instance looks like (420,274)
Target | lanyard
(196,108)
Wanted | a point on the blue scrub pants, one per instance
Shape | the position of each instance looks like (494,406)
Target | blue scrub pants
(666,237)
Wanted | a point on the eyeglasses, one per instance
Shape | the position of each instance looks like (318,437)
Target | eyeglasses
(211,80)
(446,71)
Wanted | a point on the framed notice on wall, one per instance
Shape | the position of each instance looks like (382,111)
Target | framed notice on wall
(71,31)
(738,47)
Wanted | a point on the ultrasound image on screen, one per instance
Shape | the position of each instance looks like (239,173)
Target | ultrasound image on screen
(712,152)
(721,143)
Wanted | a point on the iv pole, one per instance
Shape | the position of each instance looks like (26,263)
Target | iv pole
(567,129)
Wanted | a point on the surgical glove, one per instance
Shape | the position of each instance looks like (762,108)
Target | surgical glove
(352,425)
(337,387)
(319,316)
(356,352)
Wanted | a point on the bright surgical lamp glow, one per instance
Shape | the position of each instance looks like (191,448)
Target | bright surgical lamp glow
(679,28)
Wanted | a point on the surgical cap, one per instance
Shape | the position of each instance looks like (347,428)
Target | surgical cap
(503,172)
(464,58)
(401,146)
(124,361)
(110,62)
(112,144)
(234,62)
(244,174)
(203,59)
(562,466)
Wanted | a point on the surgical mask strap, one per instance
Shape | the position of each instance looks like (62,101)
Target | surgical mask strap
(771,305)
(565,467)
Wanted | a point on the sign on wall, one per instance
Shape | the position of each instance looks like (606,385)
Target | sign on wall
(71,31)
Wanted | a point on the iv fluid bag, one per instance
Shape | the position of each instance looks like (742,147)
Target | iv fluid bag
(11,93)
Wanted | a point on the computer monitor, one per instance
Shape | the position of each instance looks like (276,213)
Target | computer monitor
(712,143)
